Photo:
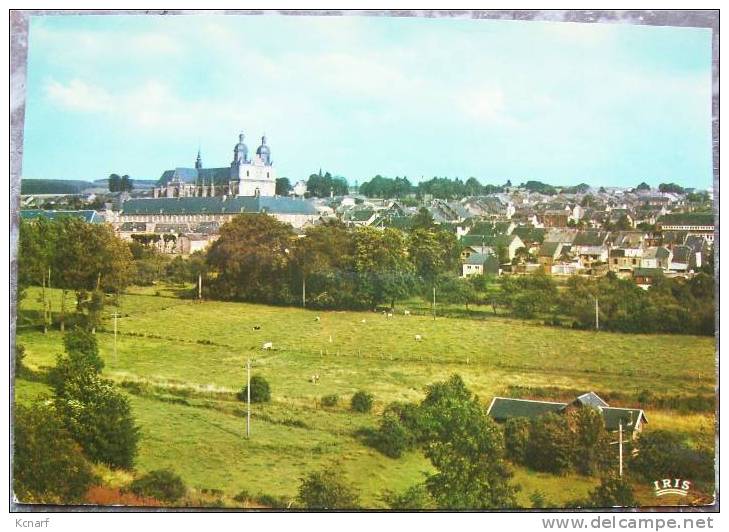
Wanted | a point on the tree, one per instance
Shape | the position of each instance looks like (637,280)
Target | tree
(466,448)
(393,438)
(114,183)
(671,187)
(643,186)
(260,390)
(516,439)
(325,490)
(48,466)
(381,262)
(126,184)
(161,484)
(550,445)
(99,418)
(80,364)
(89,257)
(422,220)
(591,440)
(250,261)
(432,253)
(455,290)
(283,186)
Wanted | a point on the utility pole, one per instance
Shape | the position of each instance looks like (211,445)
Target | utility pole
(199,286)
(597,315)
(115,315)
(303,291)
(433,302)
(619,443)
(620,446)
(248,400)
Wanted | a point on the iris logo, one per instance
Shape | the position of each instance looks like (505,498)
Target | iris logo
(671,486)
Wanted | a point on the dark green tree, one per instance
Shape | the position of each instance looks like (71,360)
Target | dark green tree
(250,259)
(466,448)
(326,490)
(283,186)
(48,465)
(260,390)
(361,402)
(550,445)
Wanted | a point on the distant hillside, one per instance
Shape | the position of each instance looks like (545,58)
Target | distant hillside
(53,186)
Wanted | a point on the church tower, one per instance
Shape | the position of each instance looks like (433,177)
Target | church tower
(198,161)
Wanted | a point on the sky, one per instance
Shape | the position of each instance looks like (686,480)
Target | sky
(564,103)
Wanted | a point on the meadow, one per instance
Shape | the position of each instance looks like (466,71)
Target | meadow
(182,361)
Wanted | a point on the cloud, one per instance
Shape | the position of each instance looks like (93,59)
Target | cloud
(77,95)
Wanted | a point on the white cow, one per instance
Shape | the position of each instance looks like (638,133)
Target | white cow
(406,312)
(268,346)
(389,315)
(418,338)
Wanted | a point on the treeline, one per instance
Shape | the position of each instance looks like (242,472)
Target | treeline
(437,187)
(86,259)
(322,186)
(260,259)
(53,186)
(670,306)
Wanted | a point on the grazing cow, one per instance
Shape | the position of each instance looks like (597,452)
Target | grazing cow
(418,338)
(268,346)
(406,312)
(315,379)
(256,327)
(317,318)
(364,320)
(389,315)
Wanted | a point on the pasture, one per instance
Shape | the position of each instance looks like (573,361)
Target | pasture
(182,362)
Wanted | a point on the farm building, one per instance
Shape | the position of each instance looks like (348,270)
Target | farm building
(502,409)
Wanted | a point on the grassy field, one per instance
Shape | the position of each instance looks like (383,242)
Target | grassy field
(183,361)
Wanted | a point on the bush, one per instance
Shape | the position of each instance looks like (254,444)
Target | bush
(100,419)
(393,438)
(270,501)
(19,358)
(665,454)
(48,466)
(550,444)
(162,484)
(413,498)
(362,402)
(612,491)
(82,344)
(242,496)
(330,400)
(516,439)
(326,490)
(81,362)
(260,391)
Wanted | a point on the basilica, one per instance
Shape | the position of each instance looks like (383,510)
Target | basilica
(245,176)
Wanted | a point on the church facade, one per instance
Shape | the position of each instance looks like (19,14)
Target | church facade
(246,176)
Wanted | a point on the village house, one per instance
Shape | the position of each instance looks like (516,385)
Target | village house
(692,222)
(646,277)
(481,264)
(656,258)
(631,420)
(590,247)
(624,260)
